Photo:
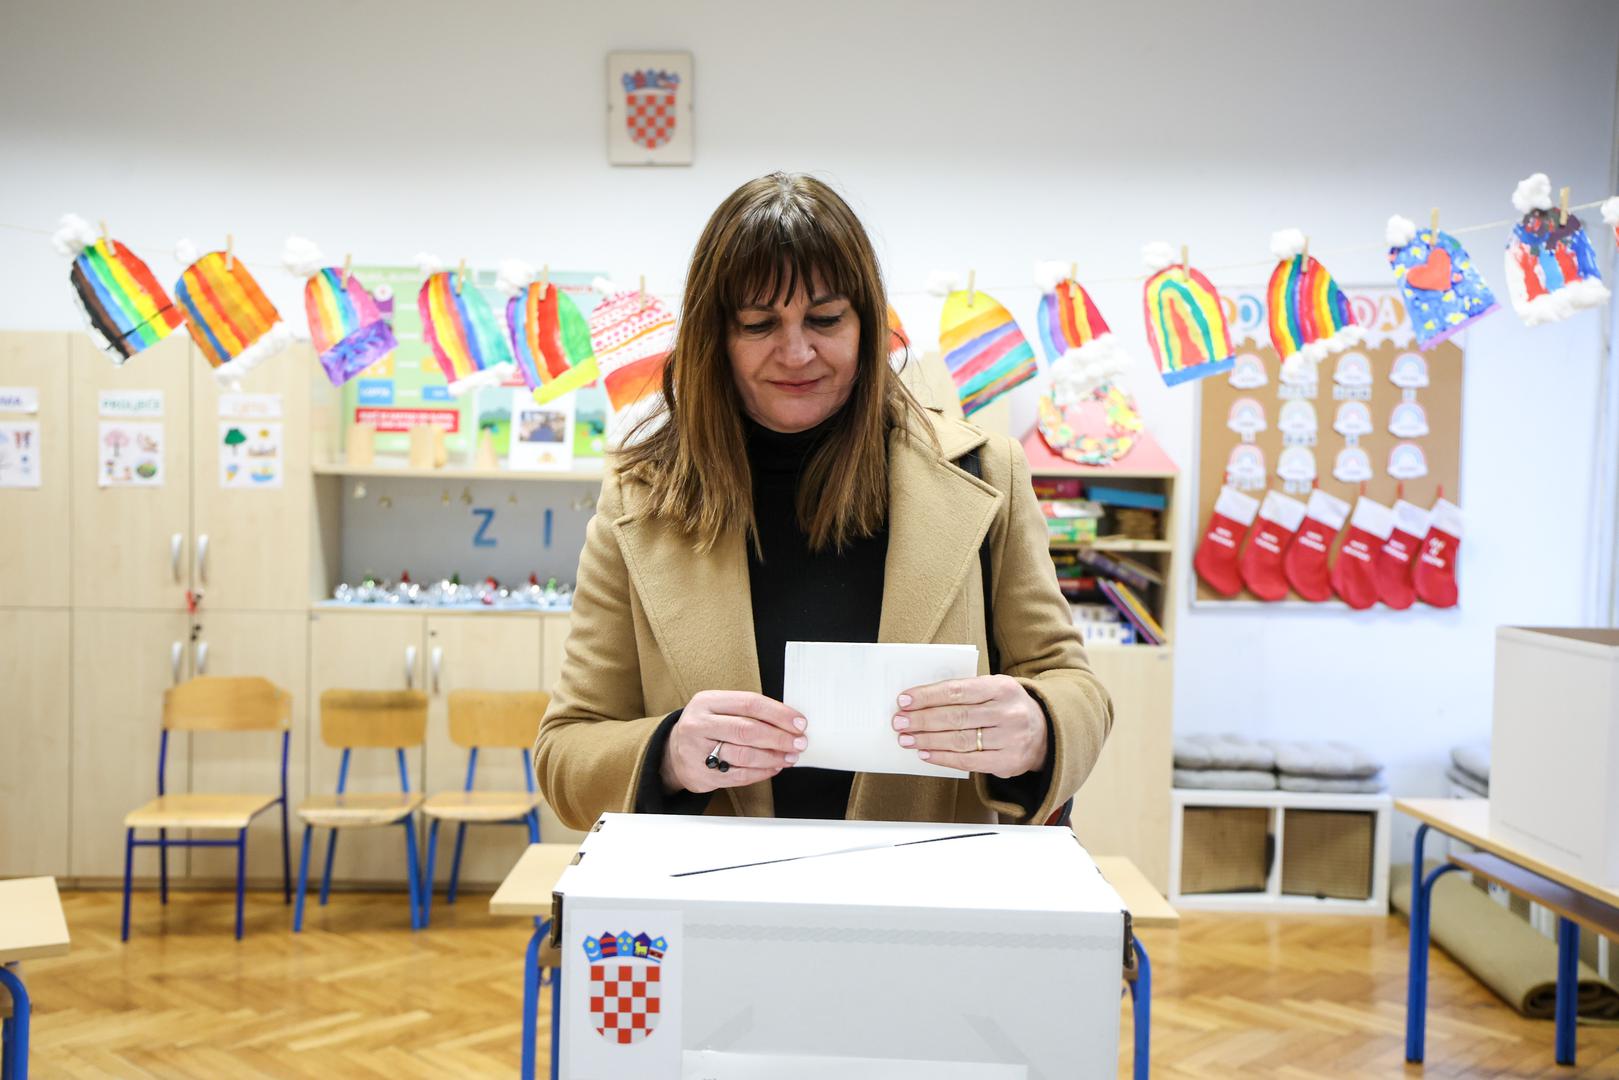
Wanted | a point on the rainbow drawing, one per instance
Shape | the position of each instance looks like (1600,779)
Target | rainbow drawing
(551,341)
(633,334)
(124,307)
(985,351)
(347,328)
(229,317)
(467,341)
(1186,325)
(1309,315)
(1083,354)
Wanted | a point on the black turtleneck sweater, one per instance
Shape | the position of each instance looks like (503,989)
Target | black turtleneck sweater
(801,595)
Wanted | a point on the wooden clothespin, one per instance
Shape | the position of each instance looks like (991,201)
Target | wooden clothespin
(106,241)
(1433,223)
(643,291)
(230,252)
(545,280)
(348,261)
(972,292)
(460,277)
(1305,254)
(1186,262)
(1073,280)
(1562,207)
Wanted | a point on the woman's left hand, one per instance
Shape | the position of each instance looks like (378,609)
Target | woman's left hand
(947,722)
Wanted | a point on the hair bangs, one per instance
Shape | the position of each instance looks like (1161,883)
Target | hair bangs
(779,248)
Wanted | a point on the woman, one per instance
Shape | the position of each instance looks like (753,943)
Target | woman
(791,488)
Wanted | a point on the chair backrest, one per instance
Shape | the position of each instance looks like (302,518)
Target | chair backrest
(504,719)
(373,718)
(223,703)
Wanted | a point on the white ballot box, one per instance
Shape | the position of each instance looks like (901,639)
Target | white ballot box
(720,949)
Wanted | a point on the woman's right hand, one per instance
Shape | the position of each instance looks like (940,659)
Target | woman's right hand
(761,736)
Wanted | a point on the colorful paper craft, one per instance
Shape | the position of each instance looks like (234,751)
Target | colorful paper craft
(1551,265)
(632,334)
(1442,289)
(1186,323)
(551,340)
(348,330)
(986,353)
(1309,314)
(471,348)
(124,307)
(228,315)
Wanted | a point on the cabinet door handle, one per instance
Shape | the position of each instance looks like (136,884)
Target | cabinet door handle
(438,665)
(175,653)
(202,658)
(410,667)
(202,559)
(176,545)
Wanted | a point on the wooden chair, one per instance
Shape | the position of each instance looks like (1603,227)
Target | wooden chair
(494,720)
(211,703)
(365,719)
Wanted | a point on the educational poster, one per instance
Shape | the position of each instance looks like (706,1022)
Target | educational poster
(250,454)
(407,387)
(541,435)
(131,453)
(19,453)
(1380,416)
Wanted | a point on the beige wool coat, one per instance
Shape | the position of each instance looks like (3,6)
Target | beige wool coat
(655,622)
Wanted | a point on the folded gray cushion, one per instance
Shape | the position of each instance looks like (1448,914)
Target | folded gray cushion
(1221,752)
(1336,785)
(1473,758)
(1305,757)
(1234,779)
(1467,781)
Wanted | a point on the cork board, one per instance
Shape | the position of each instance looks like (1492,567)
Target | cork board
(1390,342)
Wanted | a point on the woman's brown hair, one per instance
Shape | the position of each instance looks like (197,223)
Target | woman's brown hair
(771,237)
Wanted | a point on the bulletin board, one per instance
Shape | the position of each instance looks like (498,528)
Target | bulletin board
(1390,341)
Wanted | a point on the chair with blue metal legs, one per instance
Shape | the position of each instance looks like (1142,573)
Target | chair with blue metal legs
(366,720)
(208,704)
(485,720)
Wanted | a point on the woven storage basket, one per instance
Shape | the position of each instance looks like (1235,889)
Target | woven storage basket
(1224,849)
(1327,853)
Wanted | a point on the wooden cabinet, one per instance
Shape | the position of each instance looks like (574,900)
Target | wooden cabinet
(35,557)
(131,544)
(250,546)
(275,646)
(477,651)
(122,663)
(34,743)
(363,650)
(1123,807)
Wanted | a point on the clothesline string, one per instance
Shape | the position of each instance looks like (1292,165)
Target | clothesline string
(1215,268)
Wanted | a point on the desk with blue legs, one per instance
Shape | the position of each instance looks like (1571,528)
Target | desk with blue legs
(1575,901)
(31,927)
(1148,910)
(527,892)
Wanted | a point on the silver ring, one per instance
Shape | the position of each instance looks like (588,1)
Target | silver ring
(713,760)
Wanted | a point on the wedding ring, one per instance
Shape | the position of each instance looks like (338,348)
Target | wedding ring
(713,760)
(980,749)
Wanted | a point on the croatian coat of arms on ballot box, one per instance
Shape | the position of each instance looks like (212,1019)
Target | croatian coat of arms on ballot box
(626,984)
(649,108)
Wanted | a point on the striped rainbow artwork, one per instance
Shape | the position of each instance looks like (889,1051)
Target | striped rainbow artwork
(632,334)
(1186,326)
(228,315)
(985,351)
(1309,315)
(345,324)
(471,348)
(123,304)
(551,341)
(1068,319)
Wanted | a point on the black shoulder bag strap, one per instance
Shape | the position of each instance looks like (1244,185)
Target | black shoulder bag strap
(972,463)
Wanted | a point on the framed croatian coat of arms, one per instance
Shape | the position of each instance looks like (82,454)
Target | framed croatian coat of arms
(649,99)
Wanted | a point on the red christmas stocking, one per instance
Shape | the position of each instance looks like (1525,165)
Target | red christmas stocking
(1261,562)
(1305,562)
(1394,560)
(1433,573)
(1216,558)
(1354,573)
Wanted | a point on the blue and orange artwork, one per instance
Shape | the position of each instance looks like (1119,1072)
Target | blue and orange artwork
(1439,282)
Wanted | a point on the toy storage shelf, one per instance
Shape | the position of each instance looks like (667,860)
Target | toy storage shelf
(1260,854)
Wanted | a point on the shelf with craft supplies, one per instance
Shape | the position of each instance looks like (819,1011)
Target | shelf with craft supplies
(1111,536)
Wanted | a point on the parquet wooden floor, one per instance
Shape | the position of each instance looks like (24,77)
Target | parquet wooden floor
(359,995)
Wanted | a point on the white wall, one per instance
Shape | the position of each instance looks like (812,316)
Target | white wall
(966,135)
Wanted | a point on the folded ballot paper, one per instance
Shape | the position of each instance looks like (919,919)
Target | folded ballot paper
(849,692)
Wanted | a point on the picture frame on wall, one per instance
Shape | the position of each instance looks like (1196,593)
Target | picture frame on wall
(649,108)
